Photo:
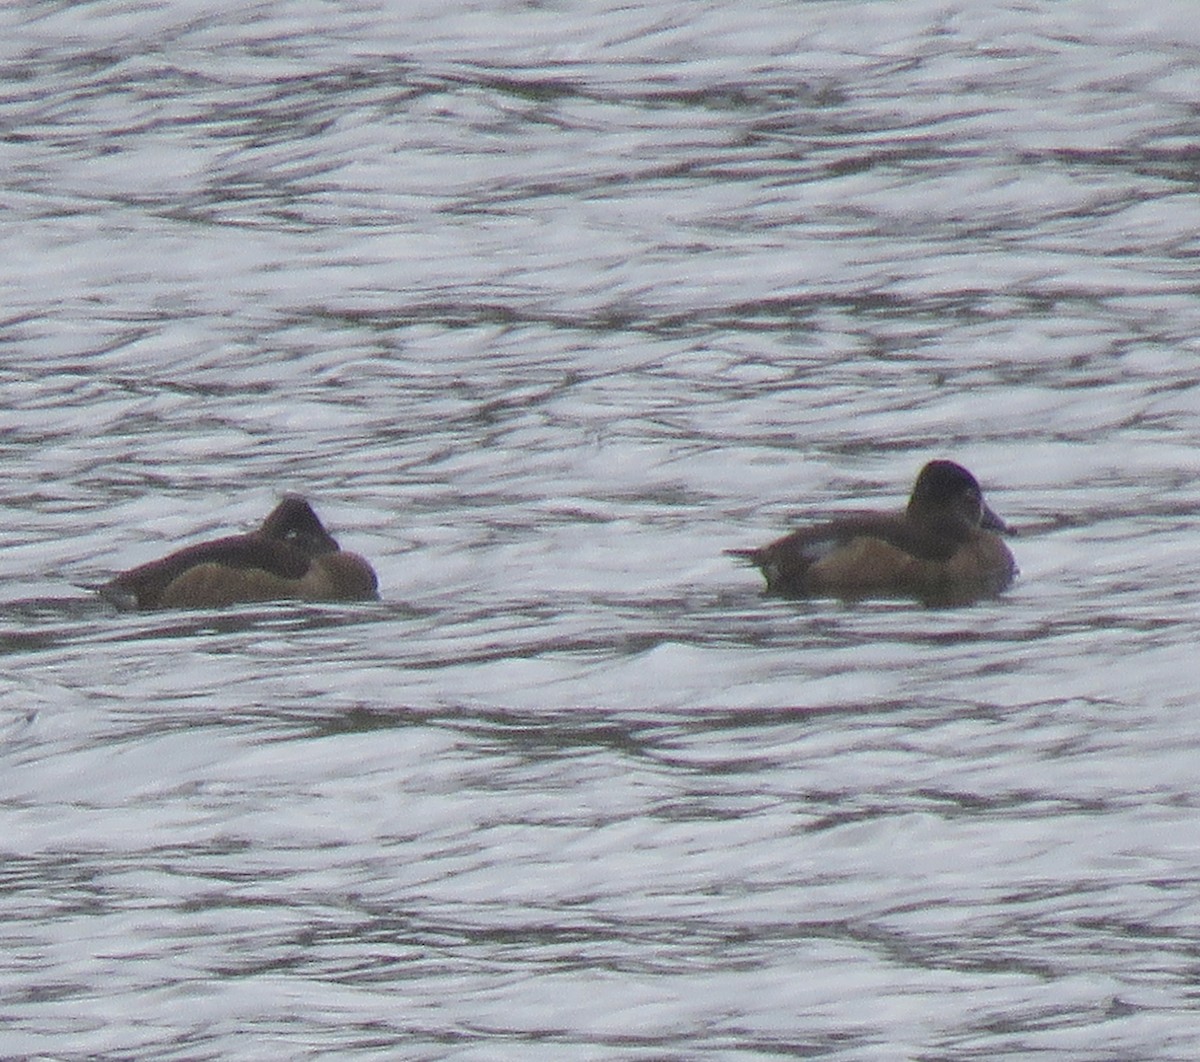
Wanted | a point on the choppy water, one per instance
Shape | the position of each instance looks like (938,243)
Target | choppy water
(544,306)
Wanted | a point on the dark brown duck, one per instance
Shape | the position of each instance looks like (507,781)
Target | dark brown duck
(291,556)
(942,548)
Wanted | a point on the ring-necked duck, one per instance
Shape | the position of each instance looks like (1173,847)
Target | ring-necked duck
(942,549)
(290,556)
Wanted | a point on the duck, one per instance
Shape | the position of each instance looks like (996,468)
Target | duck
(944,547)
(290,556)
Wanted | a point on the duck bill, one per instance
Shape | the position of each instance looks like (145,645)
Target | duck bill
(991,522)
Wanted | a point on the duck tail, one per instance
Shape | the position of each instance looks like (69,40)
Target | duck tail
(115,595)
(754,556)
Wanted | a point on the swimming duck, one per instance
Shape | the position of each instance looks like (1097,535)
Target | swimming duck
(943,548)
(290,556)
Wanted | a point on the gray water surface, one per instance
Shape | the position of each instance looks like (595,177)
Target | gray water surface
(544,306)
